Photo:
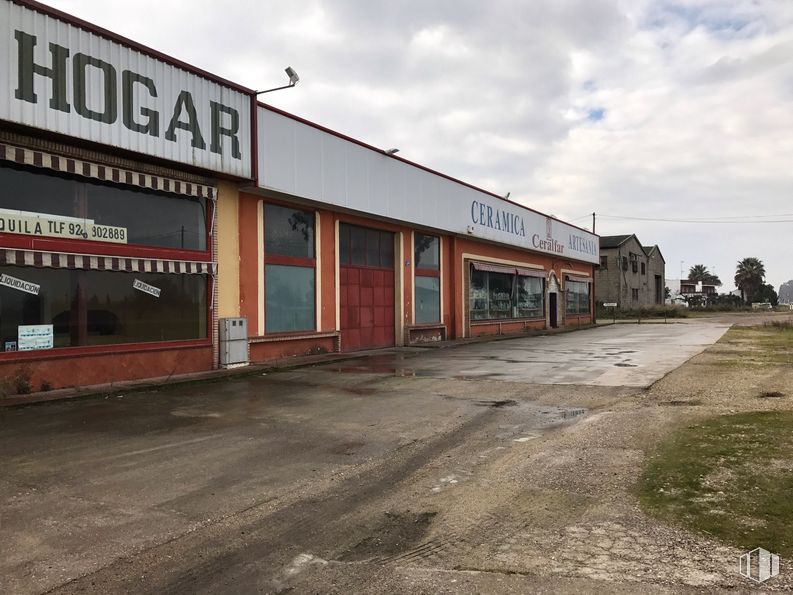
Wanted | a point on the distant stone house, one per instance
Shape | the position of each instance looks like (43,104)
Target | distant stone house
(629,274)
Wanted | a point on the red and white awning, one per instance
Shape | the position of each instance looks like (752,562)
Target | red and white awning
(62,260)
(105,173)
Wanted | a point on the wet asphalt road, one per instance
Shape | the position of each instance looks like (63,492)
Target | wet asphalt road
(620,355)
(222,487)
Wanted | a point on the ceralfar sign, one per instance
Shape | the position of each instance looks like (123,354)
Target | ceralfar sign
(62,78)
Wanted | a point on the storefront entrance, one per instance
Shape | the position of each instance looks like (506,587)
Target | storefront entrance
(366,271)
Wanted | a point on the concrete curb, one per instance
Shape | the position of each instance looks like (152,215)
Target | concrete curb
(126,386)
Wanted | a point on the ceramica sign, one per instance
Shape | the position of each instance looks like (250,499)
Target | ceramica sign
(62,78)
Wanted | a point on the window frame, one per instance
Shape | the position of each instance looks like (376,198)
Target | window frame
(427,272)
(293,261)
(111,348)
(513,298)
(579,311)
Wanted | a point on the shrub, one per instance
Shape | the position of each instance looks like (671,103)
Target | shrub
(635,313)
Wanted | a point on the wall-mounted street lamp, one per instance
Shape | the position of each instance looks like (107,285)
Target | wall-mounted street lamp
(293,80)
(391,151)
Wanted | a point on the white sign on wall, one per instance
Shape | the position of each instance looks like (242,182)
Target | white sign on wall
(35,336)
(146,288)
(299,159)
(62,78)
(57,226)
(19,284)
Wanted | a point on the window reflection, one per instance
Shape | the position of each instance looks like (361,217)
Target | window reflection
(497,296)
(288,232)
(150,218)
(103,308)
(427,251)
(289,298)
(428,299)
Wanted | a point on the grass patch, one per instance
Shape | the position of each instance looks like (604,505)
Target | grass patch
(769,344)
(730,476)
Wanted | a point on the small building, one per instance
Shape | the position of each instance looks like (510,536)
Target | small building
(629,274)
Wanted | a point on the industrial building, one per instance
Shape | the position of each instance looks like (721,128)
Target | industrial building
(144,202)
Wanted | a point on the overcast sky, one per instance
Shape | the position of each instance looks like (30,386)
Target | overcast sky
(658,109)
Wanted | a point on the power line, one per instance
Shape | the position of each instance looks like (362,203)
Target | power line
(738,220)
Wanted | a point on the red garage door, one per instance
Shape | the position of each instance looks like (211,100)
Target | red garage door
(366,268)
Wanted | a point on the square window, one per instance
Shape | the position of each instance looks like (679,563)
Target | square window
(288,232)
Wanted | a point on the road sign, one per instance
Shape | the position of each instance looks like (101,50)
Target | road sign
(609,304)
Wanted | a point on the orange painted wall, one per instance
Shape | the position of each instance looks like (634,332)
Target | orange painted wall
(263,352)
(249,261)
(327,252)
(454,275)
(326,260)
(85,370)
(475,248)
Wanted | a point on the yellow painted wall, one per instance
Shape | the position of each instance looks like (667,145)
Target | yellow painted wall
(228,233)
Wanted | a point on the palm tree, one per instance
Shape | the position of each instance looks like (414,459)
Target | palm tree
(699,273)
(749,277)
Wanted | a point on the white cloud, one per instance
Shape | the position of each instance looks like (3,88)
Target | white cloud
(650,108)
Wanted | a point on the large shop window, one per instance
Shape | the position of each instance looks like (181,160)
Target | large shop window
(77,208)
(89,307)
(289,270)
(577,297)
(499,292)
(427,262)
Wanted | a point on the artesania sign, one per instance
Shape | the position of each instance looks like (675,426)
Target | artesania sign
(146,288)
(19,284)
(60,77)
(56,226)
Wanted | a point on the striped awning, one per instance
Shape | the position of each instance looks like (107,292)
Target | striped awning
(530,272)
(580,279)
(507,269)
(62,260)
(105,173)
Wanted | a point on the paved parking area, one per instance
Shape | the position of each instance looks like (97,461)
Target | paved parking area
(618,355)
(216,486)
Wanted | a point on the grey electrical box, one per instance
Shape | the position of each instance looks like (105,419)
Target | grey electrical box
(233,334)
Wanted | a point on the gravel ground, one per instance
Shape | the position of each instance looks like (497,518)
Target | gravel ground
(515,488)
(558,512)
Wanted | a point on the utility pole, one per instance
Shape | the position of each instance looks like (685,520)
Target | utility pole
(593,222)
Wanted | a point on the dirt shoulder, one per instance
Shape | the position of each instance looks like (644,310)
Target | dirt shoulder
(559,512)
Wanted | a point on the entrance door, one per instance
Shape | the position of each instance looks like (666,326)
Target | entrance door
(553,309)
(366,271)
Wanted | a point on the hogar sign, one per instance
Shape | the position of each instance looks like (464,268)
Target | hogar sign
(105,92)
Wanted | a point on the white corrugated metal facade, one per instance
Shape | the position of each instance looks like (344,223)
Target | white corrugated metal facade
(308,162)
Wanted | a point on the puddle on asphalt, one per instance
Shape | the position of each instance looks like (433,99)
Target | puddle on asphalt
(399,371)
(572,413)
(496,404)
(190,412)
